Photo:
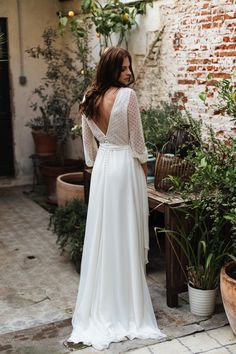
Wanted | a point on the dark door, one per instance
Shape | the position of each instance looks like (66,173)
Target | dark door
(6,142)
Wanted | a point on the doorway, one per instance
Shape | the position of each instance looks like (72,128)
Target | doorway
(6,135)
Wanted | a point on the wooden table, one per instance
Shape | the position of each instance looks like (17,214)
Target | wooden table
(164,202)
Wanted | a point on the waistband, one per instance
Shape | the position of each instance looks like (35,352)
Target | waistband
(108,146)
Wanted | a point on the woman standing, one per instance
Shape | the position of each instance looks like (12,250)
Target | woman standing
(113,300)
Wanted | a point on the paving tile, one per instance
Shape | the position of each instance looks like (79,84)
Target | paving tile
(173,346)
(232,348)
(218,351)
(182,331)
(199,342)
(215,321)
(223,335)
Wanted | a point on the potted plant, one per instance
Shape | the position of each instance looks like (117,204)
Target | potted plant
(168,130)
(205,253)
(68,223)
(211,240)
(62,86)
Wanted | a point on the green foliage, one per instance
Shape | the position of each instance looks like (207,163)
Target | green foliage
(112,17)
(61,87)
(211,210)
(214,184)
(68,223)
(226,94)
(161,121)
(205,252)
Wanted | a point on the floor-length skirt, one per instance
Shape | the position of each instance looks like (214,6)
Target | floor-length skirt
(113,300)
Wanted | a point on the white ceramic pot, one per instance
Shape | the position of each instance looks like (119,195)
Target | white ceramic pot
(202,302)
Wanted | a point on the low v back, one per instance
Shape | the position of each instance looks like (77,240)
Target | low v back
(124,128)
(106,107)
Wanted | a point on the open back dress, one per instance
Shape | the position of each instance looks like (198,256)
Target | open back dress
(113,301)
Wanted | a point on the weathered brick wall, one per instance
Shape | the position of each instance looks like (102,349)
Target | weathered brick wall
(199,38)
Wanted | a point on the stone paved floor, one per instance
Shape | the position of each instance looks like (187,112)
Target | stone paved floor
(38,289)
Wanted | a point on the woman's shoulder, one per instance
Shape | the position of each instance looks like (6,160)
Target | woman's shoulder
(128,91)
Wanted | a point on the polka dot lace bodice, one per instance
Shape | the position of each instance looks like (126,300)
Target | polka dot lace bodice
(124,128)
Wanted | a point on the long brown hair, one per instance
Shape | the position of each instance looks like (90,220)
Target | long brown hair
(107,75)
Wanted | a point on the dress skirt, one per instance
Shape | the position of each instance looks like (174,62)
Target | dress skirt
(113,300)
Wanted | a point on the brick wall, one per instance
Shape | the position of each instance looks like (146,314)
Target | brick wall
(199,38)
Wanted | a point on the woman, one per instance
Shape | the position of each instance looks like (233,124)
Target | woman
(113,301)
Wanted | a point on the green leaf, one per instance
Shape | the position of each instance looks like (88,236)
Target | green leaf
(63,21)
(203,162)
(203,96)
(86,4)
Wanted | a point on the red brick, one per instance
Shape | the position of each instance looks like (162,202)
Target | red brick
(206,25)
(222,17)
(186,82)
(210,68)
(192,68)
(226,54)
(221,75)
(226,46)
(206,19)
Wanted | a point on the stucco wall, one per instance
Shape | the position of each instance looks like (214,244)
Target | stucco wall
(35,17)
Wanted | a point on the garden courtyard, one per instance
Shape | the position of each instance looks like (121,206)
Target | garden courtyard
(183,56)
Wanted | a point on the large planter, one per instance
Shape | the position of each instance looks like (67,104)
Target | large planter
(228,292)
(50,170)
(202,302)
(45,143)
(70,186)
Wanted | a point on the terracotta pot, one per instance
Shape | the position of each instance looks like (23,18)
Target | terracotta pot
(202,302)
(228,292)
(51,170)
(70,186)
(45,143)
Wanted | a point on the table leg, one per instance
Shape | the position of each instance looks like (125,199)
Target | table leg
(175,262)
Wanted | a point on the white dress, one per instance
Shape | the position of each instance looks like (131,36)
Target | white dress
(113,300)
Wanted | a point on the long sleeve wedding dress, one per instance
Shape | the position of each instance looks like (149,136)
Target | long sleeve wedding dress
(113,300)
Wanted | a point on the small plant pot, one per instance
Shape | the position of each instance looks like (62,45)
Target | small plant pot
(51,170)
(45,143)
(202,302)
(228,292)
(69,187)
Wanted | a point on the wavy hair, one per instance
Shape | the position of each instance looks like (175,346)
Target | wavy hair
(107,75)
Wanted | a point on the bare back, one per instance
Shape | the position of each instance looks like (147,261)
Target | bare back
(105,107)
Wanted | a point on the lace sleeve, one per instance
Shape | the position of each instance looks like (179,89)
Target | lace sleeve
(136,130)
(89,142)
